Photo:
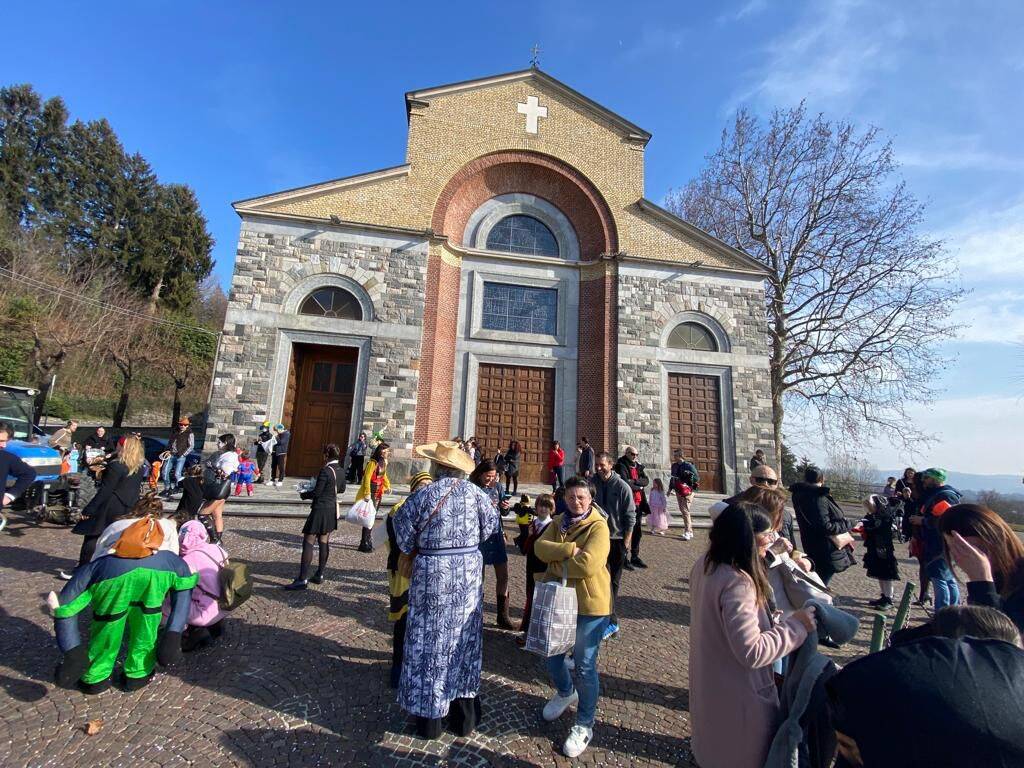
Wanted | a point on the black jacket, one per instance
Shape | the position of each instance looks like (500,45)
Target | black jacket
(586,460)
(820,518)
(283,441)
(13,466)
(117,495)
(329,486)
(984,593)
(622,469)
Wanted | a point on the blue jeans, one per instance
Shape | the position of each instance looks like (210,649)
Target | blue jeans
(589,630)
(558,478)
(947,591)
(178,463)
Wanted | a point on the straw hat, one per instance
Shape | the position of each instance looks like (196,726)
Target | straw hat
(447,453)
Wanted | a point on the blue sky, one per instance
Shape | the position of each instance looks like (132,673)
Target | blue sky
(242,99)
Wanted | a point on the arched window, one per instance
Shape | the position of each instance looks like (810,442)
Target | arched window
(332,302)
(692,336)
(522,234)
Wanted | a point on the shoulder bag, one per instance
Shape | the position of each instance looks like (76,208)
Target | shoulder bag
(235,582)
(406,561)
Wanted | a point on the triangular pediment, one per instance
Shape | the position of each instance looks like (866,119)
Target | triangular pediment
(542,79)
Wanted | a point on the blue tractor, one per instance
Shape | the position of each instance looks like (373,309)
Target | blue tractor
(29,443)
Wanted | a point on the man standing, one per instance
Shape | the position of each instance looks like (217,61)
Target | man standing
(356,457)
(264,443)
(757,460)
(585,463)
(181,444)
(615,499)
(937,498)
(685,481)
(632,471)
(279,459)
(823,527)
(12,466)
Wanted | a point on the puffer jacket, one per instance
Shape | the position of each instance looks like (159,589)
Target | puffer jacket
(206,559)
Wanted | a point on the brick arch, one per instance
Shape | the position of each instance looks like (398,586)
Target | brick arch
(546,177)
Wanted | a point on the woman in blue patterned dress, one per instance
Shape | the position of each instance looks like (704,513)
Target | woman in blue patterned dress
(444,524)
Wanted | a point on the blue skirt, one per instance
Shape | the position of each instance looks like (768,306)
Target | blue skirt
(493,549)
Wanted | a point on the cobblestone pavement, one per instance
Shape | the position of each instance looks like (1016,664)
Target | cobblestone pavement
(300,678)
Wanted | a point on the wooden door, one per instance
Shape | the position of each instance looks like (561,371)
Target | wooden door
(695,425)
(517,403)
(325,386)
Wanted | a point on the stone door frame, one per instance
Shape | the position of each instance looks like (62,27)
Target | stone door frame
(286,338)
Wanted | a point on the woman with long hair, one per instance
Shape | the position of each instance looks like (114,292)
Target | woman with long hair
(734,641)
(991,554)
(120,489)
(224,463)
(485,477)
(513,456)
(323,517)
(375,484)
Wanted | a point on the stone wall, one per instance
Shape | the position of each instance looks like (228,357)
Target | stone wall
(653,301)
(277,265)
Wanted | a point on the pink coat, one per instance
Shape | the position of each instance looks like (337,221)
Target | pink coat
(734,706)
(206,559)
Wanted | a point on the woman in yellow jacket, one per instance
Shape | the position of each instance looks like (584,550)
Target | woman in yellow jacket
(578,539)
(375,484)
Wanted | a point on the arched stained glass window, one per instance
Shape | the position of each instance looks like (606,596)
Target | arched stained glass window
(522,234)
(692,336)
(332,302)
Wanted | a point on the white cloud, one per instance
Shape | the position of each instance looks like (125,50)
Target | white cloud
(832,55)
(989,243)
(749,8)
(985,318)
(955,153)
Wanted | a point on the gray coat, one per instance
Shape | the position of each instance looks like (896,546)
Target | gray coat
(615,497)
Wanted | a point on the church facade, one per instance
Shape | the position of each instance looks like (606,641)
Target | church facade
(510,281)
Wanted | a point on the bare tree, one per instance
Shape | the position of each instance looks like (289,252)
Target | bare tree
(57,308)
(132,349)
(857,299)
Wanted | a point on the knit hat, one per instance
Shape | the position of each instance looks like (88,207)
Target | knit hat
(279,427)
(936,473)
(833,623)
(418,478)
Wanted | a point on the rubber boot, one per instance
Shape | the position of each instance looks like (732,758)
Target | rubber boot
(503,618)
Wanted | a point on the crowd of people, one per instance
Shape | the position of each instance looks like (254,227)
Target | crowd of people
(760,598)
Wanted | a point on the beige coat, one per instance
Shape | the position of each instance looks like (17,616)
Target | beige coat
(734,706)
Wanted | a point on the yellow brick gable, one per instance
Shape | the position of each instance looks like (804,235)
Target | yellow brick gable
(451,126)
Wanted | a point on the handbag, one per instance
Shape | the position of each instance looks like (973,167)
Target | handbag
(553,617)
(215,486)
(406,560)
(235,581)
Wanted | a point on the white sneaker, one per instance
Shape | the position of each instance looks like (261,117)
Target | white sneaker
(278,484)
(688,536)
(556,707)
(577,740)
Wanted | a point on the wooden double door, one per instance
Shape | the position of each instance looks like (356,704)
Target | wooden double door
(322,383)
(516,402)
(695,425)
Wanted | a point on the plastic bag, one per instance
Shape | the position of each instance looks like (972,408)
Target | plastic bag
(553,618)
(362,513)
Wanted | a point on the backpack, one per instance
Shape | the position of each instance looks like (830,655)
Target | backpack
(140,539)
(235,583)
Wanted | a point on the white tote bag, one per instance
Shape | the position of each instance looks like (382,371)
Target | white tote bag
(553,618)
(362,513)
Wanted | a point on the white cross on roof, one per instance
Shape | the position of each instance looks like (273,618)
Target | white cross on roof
(532,110)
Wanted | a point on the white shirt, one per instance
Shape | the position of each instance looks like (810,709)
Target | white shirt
(227,462)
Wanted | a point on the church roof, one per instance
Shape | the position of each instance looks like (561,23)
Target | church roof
(691,230)
(423,96)
(324,186)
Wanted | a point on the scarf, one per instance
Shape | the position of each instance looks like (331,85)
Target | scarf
(568,521)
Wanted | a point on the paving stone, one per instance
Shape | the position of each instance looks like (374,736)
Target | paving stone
(300,678)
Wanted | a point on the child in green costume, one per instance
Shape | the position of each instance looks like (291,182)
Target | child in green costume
(124,593)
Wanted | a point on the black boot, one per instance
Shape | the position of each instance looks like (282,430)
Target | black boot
(133,684)
(429,728)
(365,541)
(504,621)
(464,716)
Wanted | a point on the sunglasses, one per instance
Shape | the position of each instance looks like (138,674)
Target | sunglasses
(766,481)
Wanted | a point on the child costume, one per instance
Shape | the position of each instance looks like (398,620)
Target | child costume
(123,592)
(880,555)
(245,475)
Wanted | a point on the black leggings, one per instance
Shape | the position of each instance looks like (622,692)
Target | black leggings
(88,548)
(512,482)
(324,540)
(277,466)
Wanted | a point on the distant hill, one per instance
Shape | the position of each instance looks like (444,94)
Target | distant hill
(964,481)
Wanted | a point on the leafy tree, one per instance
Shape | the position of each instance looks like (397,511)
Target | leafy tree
(857,300)
(788,466)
